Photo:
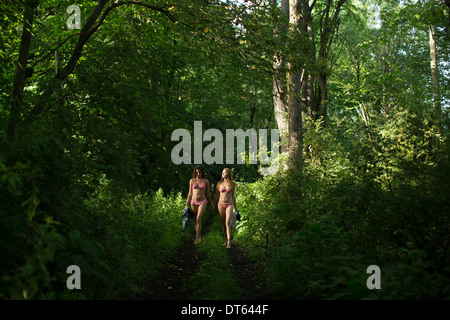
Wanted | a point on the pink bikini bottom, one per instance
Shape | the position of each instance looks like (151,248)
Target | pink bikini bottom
(197,203)
(225,205)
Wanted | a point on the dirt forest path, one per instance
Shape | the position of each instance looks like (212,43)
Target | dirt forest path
(172,282)
(245,272)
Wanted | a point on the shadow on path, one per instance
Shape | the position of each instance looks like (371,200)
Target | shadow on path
(171,283)
(246,274)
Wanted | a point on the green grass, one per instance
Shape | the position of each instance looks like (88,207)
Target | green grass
(214,279)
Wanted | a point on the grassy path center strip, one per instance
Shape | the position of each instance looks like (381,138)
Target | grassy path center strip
(214,279)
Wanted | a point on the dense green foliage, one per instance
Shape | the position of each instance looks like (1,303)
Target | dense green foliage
(321,232)
(86,176)
(116,238)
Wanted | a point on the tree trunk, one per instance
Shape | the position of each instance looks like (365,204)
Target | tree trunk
(435,77)
(309,51)
(329,25)
(294,91)
(21,69)
(279,89)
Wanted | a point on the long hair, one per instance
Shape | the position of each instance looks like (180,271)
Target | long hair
(230,177)
(201,174)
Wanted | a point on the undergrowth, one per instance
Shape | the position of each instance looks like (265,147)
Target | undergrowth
(318,232)
(115,237)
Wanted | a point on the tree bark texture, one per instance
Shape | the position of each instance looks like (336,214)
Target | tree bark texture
(294,91)
(279,89)
(21,69)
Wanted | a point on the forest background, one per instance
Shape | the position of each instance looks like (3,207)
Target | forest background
(358,89)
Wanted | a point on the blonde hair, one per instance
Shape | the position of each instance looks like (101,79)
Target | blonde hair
(230,174)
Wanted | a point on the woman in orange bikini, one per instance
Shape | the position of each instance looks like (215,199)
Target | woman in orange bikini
(227,200)
(197,186)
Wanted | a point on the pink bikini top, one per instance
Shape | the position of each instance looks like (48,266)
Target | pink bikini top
(225,190)
(196,186)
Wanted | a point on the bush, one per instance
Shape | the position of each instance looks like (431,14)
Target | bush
(136,233)
(116,238)
(319,232)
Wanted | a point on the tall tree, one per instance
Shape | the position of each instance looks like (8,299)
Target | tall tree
(308,68)
(294,90)
(279,90)
(435,78)
(329,24)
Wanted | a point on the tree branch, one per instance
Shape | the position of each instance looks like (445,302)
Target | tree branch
(51,51)
(21,68)
(92,24)
(159,9)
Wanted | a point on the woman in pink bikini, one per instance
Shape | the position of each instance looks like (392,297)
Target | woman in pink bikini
(197,186)
(227,200)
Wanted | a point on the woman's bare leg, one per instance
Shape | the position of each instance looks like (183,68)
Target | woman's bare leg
(222,213)
(198,222)
(229,215)
(195,210)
